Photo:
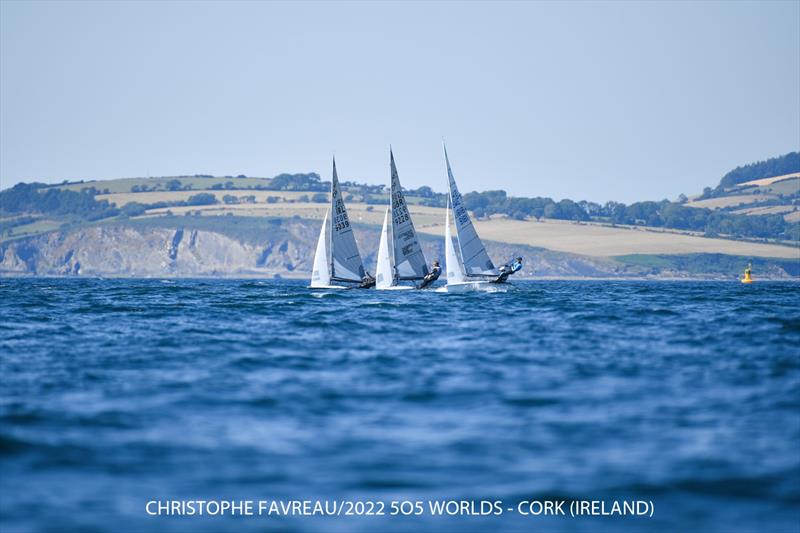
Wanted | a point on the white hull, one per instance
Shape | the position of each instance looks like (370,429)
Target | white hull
(396,288)
(327,287)
(474,286)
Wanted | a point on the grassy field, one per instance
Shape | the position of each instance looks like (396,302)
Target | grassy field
(120,199)
(599,240)
(32,228)
(358,212)
(769,181)
(751,192)
(149,197)
(593,239)
(784,186)
(573,237)
(730,201)
(123,185)
(766,210)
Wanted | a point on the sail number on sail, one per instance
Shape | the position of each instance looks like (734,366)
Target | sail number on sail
(340,220)
(458,208)
(399,210)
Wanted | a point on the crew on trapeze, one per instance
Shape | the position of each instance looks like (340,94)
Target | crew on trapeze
(508,269)
(431,276)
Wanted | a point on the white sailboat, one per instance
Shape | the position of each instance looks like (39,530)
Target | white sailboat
(473,254)
(400,256)
(472,269)
(337,263)
(321,274)
(456,281)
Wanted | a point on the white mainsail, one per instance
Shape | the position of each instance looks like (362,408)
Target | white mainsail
(346,264)
(320,275)
(384,275)
(473,254)
(409,261)
(454,272)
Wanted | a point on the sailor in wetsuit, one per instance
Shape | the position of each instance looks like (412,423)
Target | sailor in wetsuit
(432,276)
(508,269)
(367,281)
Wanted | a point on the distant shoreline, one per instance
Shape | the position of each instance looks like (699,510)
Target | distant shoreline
(245,277)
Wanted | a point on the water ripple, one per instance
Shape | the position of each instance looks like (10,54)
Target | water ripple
(117,391)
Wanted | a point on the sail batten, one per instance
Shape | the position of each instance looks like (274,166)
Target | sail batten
(473,253)
(345,261)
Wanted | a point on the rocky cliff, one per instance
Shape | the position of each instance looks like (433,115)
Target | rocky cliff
(244,247)
(136,252)
(185,248)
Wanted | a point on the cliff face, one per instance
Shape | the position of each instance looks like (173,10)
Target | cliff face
(278,248)
(126,251)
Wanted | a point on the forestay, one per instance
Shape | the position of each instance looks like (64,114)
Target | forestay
(409,261)
(346,264)
(473,254)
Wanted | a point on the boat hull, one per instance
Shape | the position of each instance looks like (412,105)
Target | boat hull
(328,287)
(396,288)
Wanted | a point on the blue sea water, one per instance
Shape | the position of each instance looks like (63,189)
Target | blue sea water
(117,392)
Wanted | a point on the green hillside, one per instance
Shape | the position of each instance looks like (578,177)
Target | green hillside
(749,210)
(776,166)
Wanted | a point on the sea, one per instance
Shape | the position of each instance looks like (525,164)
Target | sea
(122,397)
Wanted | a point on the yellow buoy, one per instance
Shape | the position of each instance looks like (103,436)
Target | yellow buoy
(748,278)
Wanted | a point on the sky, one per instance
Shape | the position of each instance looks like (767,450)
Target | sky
(584,100)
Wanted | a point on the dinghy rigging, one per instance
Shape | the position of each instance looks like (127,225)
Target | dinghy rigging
(473,253)
(400,256)
(346,264)
(337,258)
(456,280)
(409,261)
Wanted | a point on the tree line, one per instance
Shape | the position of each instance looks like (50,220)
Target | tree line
(776,166)
(41,198)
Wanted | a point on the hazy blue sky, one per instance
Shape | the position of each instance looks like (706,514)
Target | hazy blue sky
(599,101)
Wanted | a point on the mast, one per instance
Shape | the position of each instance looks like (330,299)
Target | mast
(333,214)
(393,170)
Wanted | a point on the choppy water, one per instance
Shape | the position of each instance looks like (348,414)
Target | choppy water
(116,392)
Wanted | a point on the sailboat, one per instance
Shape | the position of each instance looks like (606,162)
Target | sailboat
(456,280)
(400,256)
(337,263)
(471,270)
